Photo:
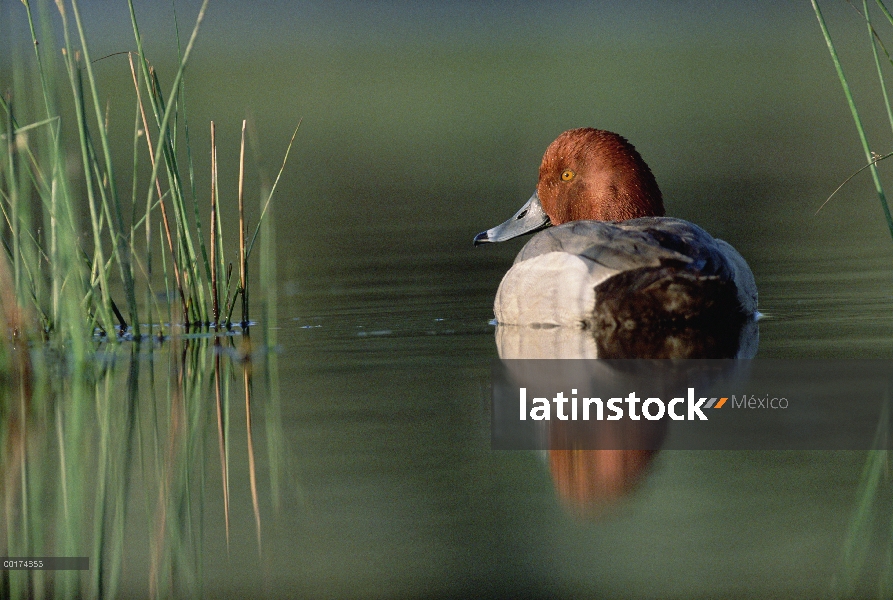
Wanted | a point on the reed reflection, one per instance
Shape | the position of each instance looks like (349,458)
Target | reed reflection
(116,447)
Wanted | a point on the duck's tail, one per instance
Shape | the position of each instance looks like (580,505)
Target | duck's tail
(650,307)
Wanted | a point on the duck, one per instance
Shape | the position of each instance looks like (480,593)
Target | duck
(604,255)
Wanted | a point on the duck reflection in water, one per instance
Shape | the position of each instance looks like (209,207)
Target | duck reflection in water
(590,481)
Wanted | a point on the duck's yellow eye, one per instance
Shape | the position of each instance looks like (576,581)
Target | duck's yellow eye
(567,175)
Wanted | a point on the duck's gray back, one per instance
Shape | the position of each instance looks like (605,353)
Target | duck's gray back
(649,242)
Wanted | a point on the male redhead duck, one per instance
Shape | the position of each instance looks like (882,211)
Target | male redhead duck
(611,259)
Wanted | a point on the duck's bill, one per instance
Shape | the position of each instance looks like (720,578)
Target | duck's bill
(529,219)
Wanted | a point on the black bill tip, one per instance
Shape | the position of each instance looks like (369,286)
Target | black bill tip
(481,238)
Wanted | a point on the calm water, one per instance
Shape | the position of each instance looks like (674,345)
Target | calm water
(374,472)
(370,426)
(389,418)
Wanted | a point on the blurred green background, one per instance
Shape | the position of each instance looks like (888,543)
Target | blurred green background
(439,113)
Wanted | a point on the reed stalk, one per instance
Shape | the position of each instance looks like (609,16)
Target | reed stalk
(243,257)
(214,215)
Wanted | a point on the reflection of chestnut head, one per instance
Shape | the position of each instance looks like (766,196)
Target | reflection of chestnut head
(588,481)
(595,463)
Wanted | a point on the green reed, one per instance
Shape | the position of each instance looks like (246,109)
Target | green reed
(93,454)
(874,485)
(871,157)
(69,283)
